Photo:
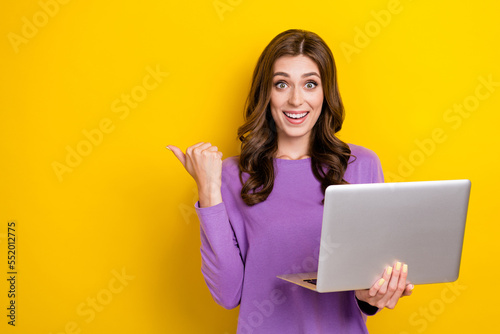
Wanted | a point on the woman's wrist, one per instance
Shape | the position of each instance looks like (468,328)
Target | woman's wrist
(367,308)
(209,196)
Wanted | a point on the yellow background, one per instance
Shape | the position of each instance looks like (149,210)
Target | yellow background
(127,206)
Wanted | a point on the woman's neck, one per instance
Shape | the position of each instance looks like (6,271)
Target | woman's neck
(293,148)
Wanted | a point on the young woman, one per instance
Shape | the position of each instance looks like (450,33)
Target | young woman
(261,212)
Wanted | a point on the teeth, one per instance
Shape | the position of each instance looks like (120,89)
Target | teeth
(296,115)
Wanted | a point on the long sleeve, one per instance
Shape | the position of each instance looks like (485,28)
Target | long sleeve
(222,264)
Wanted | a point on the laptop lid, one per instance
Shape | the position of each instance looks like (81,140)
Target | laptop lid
(367,227)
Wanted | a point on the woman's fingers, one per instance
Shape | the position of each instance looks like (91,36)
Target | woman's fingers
(376,287)
(387,291)
(397,285)
(203,161)
(215,149)
(387,277)
(212,149)
(408,290)
(178,154)
(196,149)
(395,277)
(192,152)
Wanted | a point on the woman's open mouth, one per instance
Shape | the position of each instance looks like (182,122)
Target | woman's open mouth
(296,118)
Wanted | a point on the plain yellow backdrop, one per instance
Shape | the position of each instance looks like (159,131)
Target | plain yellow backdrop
(91,92)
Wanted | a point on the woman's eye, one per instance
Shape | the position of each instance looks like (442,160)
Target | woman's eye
(281,85)
(310,85)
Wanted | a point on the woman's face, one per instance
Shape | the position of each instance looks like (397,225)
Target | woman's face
(296,97)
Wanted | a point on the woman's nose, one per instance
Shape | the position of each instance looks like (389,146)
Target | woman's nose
(296,97)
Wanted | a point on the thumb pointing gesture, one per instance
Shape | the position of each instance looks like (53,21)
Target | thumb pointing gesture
(178,153)
(204,163)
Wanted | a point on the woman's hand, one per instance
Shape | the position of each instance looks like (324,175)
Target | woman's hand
(387,290)
(204,163)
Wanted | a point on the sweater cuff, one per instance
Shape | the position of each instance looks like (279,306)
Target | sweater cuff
(218,209)
(367,308)
(208,208)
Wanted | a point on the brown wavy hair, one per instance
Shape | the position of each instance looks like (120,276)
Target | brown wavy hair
(258,136)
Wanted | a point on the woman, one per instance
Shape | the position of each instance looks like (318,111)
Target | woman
(261,212)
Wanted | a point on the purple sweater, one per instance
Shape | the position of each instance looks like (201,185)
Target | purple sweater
(244,248)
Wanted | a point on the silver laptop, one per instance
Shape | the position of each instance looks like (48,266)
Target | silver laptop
(367,227)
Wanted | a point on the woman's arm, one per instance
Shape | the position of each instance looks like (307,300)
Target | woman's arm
(222,264)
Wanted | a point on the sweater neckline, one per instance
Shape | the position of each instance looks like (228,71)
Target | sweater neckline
(293,162)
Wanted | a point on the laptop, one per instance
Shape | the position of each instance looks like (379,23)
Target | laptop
(367,227)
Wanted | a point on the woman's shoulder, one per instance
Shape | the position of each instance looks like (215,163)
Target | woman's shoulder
(364,167)
(230,165)
(231,175)
(362,153)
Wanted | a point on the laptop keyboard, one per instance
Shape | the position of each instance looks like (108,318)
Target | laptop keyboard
(312,280)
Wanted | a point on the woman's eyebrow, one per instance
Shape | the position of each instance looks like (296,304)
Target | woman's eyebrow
(303,75)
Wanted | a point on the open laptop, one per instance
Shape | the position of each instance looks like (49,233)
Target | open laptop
(367,227)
